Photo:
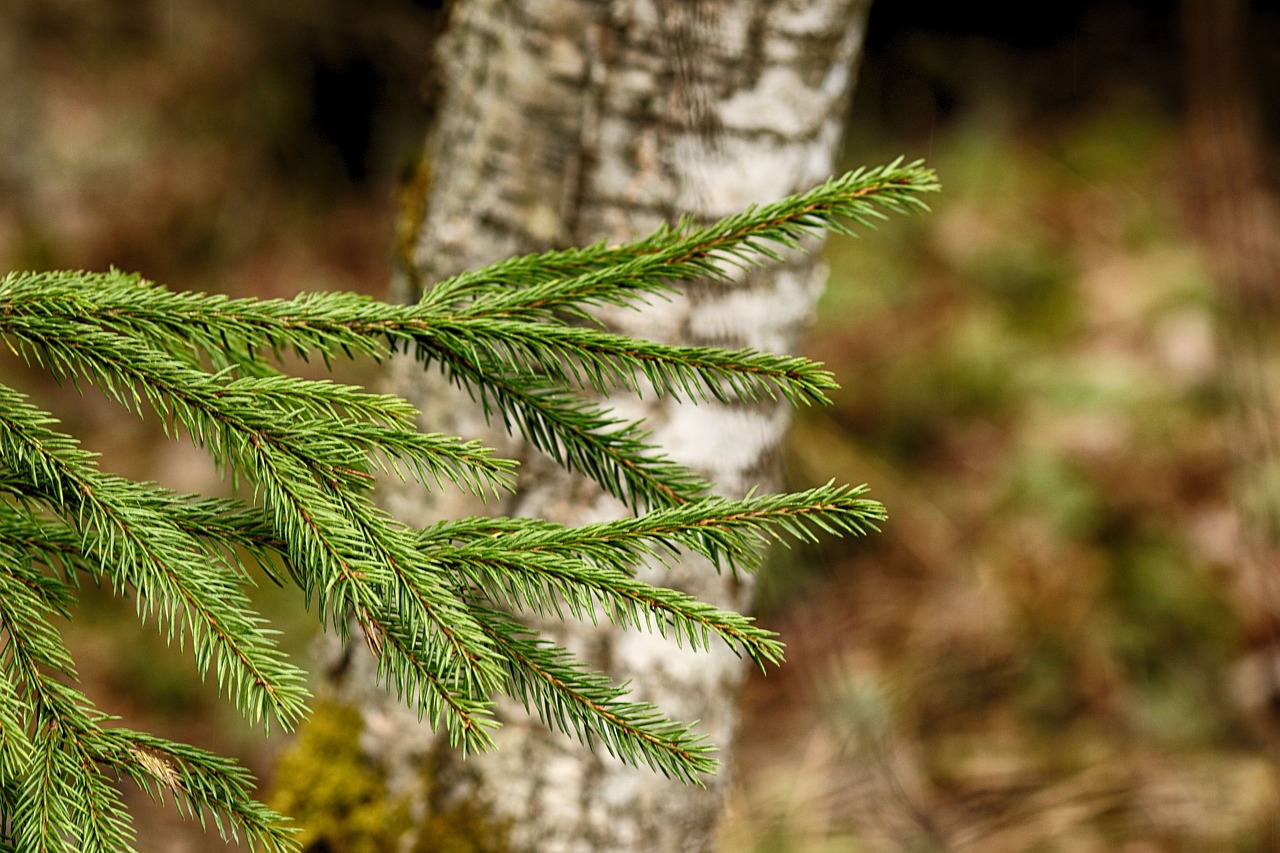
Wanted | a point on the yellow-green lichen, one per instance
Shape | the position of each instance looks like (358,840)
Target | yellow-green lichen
(338,797)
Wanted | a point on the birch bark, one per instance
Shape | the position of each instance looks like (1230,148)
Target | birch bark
(564,122)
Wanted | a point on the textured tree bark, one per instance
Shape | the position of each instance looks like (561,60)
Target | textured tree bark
(564,122)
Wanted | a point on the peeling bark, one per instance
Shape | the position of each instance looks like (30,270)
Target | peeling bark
(564,122)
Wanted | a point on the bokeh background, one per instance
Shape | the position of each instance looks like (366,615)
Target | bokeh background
(1065,638)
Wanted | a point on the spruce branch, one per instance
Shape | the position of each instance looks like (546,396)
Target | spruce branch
(439,607)
(731,533)
(534,286)
(51,331)
(575,356)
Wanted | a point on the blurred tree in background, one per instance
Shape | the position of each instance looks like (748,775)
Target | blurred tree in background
(1055,643)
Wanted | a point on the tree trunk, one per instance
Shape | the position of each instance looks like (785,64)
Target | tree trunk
(564,122)
(1238,220)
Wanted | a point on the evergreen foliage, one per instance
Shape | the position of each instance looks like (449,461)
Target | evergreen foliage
(438,606)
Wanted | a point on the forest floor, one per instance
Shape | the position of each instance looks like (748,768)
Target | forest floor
(1056,642)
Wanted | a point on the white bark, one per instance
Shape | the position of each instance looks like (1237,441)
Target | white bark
(568,121)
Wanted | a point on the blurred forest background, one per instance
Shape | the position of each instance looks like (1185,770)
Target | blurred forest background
(1058,382)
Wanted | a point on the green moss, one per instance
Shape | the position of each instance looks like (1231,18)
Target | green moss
(333,791)
(466,825)
(466,828)
(339,799)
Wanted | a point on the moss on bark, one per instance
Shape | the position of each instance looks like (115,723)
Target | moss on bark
(339,798)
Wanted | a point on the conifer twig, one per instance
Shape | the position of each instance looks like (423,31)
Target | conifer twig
(440,607)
